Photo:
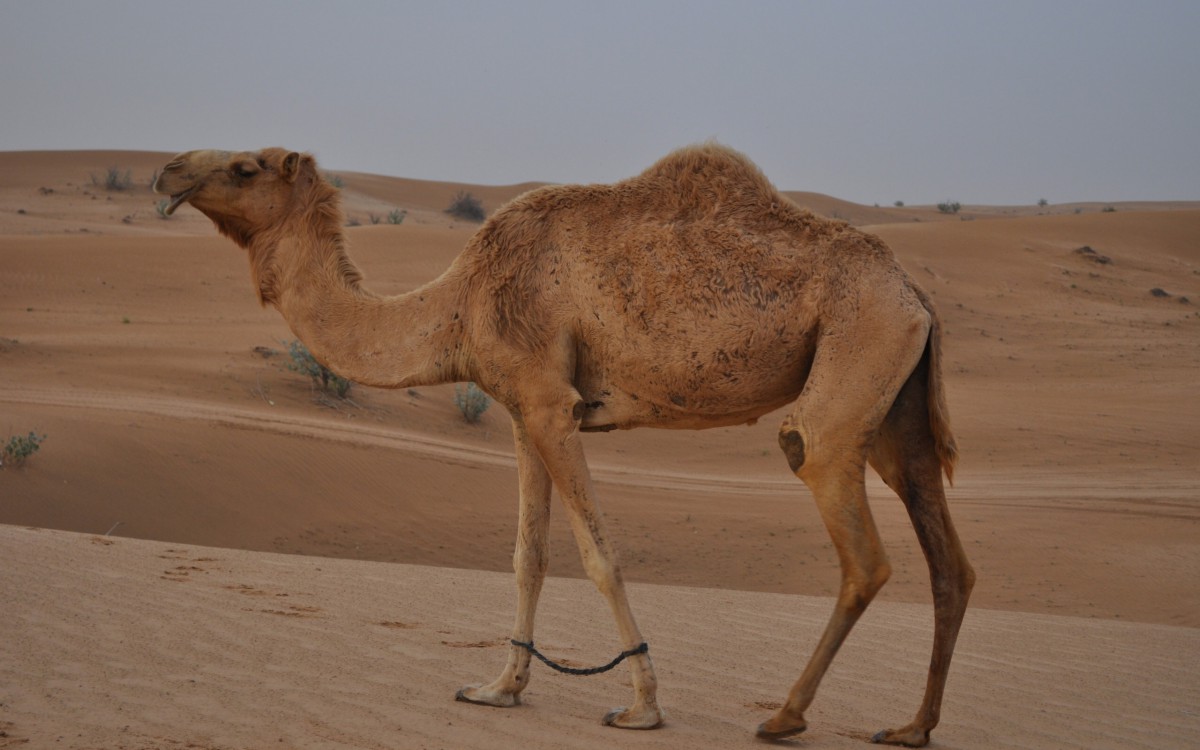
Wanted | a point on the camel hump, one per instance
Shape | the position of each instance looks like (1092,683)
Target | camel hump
(706,162)
(709,176)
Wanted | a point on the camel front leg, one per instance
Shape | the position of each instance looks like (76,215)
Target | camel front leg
(529,562)
(556,436)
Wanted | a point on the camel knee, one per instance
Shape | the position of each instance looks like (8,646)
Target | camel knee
(531,556)
(859,589)
(952,580)
(879,576)
(961,586)
(955,583)
(530,562)
(605,574)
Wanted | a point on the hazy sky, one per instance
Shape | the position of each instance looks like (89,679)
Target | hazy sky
(981,102)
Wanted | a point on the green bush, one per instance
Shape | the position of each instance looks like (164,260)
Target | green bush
(949,207)
(304,363)
(396,216)
(466,206)
(19,448)
(471,401)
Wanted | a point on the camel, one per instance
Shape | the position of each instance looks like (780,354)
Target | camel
(691,296)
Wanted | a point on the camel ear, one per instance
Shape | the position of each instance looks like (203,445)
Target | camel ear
(290,167)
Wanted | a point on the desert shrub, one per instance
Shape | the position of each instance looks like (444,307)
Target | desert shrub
(396,216)
(303,362)
(114,179)
(1088,253)
(899,204)
(19,448)
(1108,210)
(949,207)
(471,401)
(373,217)
(466,206)
(334,180)
(1042,202)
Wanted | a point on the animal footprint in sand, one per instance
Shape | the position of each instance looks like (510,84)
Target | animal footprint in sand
(293,611)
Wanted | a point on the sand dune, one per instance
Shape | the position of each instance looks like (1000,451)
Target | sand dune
(135,343)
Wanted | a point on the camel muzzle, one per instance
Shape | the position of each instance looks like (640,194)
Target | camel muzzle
(178,199)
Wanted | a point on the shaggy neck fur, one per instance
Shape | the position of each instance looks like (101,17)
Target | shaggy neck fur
(301,268)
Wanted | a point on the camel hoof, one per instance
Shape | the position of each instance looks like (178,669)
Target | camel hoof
(628,718)
(482,697)
(767,731)
(907,737)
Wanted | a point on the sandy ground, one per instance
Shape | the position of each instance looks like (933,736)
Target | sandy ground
(136,345)
(135,644)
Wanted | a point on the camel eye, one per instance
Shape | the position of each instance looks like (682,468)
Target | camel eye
(246,169)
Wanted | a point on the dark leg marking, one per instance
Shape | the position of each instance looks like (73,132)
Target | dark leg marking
(793,447)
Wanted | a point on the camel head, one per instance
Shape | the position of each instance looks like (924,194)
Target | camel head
(257,198)
(245,193)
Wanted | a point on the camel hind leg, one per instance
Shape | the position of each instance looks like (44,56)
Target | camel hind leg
(858,369)
(904,454)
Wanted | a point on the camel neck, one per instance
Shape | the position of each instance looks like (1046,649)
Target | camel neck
(391,342)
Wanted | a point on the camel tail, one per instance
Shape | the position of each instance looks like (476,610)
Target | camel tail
(939,416)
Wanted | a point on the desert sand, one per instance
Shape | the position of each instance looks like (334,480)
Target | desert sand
(208,553)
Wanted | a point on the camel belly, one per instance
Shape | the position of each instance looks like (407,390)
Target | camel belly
(708,361)
(625,411)
(691,392)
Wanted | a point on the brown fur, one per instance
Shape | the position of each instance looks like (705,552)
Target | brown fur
(692,295)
